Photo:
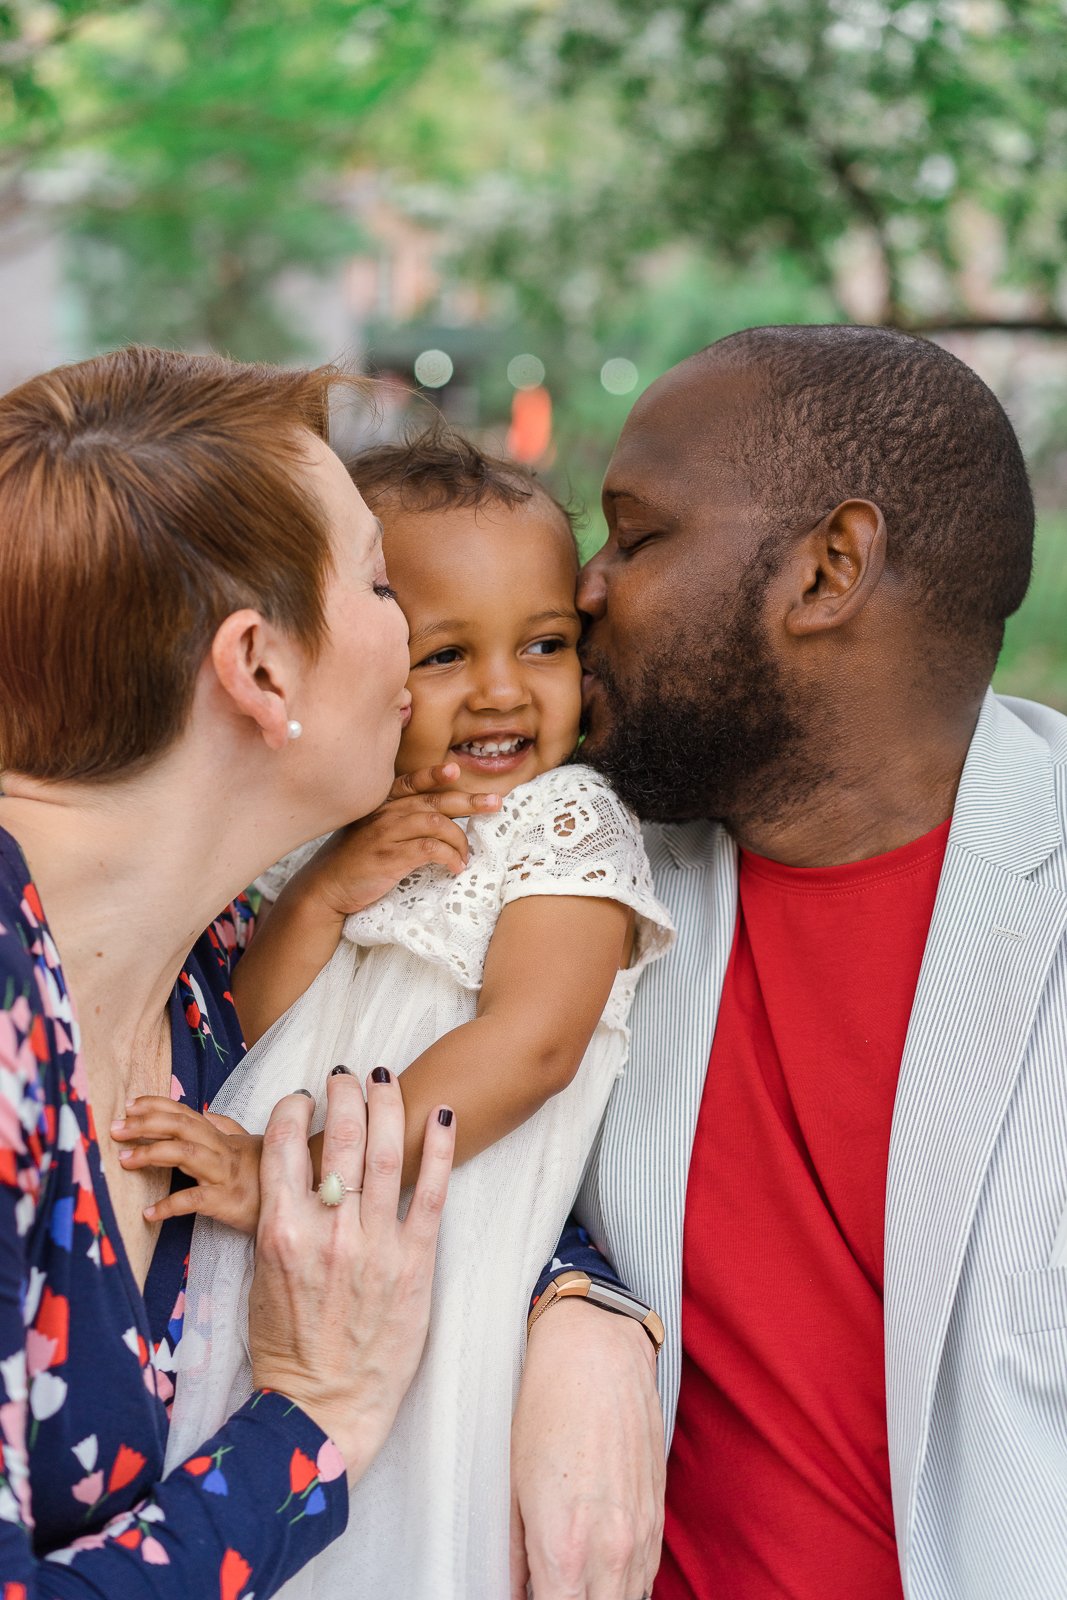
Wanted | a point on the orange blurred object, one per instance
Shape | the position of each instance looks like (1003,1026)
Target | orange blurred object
(530,433)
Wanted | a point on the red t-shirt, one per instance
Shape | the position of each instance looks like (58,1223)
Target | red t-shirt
(778,1481)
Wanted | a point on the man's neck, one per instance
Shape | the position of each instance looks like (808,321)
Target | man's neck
(883,793)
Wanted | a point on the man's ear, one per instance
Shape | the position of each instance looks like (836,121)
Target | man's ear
(836,568)
(255,664)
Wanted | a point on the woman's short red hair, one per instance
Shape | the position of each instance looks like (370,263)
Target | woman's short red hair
(145,495)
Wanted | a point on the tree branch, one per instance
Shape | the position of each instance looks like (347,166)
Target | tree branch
(1053,325)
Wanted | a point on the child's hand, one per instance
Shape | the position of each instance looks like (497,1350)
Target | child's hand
(414,826)
(214,1150)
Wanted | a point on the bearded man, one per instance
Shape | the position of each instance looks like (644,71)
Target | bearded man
(837,1162)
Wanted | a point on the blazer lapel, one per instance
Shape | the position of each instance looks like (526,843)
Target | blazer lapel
(648,1133)
(992,938)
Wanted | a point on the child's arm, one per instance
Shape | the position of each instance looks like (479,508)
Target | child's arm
(291,945)
(548,972)
(354,868)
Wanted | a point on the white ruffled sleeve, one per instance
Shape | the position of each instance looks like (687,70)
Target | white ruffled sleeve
(563,833)
(570,834)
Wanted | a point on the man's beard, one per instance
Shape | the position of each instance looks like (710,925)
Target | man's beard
(710,729)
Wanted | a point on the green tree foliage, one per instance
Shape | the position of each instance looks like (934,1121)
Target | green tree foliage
(748,128)
(197,148)
(200,148)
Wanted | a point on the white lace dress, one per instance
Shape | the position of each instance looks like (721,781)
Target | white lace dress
(429,1521)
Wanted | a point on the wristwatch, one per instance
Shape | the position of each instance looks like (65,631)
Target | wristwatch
(580,1286)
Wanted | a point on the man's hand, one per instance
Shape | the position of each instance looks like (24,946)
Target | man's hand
(587,1460)
(416,825)
(214,1150)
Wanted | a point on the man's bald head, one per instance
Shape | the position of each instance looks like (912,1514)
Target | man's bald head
(822,415)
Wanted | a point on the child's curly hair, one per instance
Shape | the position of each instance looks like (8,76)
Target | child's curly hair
(438,468)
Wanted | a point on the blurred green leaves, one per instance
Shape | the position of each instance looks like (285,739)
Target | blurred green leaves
(197,148)
(628,178)
(750,127)
(200,150)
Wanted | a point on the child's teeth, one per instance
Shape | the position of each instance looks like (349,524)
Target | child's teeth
(492,747)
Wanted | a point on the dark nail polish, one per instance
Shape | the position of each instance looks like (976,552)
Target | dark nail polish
(305,1092)
(444,1117)
(381,1075)
(346,1070)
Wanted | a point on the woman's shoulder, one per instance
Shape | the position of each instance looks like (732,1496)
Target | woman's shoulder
(19,905)
(30,973)
(37,1027)
(222,945)
(206,996)
(210,963)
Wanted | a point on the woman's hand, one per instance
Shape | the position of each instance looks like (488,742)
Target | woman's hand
(340,1301)
(415,826)
(587,1460)
(214,1150)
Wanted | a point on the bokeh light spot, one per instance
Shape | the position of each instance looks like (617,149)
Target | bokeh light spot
(434,368)
(618,375)
(526,372)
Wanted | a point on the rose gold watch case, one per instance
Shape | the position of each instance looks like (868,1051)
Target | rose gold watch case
(575,1285)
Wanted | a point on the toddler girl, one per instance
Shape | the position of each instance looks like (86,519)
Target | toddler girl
(492,965)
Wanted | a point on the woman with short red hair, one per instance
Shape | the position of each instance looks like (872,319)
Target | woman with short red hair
(202,667)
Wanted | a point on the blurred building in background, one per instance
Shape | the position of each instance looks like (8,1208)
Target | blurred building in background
(38,306)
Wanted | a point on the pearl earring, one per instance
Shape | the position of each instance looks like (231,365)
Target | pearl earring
(294,729)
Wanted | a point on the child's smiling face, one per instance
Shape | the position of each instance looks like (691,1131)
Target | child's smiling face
(495,683)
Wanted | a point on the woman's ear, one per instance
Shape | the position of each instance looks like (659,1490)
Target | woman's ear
(836,568)
(256,668)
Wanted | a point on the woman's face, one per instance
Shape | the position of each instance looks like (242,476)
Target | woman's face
(355,701)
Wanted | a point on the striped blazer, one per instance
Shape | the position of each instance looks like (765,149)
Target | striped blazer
(976,1201)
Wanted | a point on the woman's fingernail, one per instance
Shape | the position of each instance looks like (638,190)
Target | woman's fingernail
(124,1155)
(381,1075)
(149,1212)
(444,1117)
(117,1127)
(346,1070)
(306,1092)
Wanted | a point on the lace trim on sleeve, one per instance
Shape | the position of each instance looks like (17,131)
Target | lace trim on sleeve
(573,836)
(564,833)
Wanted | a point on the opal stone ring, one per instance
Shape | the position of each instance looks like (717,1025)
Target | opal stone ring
(333,1188)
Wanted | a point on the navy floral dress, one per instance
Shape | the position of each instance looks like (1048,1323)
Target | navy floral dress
(87,1363)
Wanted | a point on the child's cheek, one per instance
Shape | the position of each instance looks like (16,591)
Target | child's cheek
(417,747)
(571,712)
(407,759)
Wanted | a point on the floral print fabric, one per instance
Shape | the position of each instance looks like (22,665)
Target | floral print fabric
(87,1363)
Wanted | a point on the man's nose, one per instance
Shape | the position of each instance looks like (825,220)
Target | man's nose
(592,592)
